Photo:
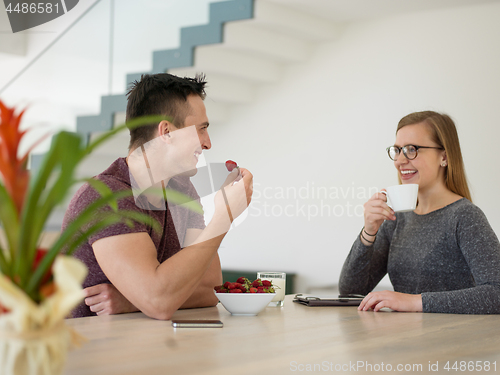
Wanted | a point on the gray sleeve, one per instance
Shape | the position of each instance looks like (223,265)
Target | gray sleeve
(481,250)
(365,266)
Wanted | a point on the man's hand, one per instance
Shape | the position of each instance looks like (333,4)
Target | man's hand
(105,299)
(235,194)
(393,300)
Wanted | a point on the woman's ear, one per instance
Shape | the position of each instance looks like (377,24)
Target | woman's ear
(444,160)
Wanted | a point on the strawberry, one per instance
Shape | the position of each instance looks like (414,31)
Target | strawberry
(257,283)
(230,165)
(243,280)
(220,289)
(243,285)
(243,288)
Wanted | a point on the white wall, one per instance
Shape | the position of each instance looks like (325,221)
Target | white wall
(328,124)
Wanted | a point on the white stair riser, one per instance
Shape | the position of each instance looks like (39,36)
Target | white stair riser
(221,88)
(232,63)
(293,23)
(248,36)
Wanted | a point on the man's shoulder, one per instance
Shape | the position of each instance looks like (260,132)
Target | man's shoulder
(115,177)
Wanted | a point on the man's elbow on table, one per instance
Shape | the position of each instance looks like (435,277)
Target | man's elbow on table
(159,309)
(164,308)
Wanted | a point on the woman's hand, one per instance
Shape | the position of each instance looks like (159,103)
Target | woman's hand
(393,300)
(376,211)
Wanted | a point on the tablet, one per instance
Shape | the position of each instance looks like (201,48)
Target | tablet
(312,300)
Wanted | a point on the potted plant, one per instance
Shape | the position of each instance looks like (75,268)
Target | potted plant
(39,287)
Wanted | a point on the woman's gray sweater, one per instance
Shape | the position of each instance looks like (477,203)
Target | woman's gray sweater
(451,256)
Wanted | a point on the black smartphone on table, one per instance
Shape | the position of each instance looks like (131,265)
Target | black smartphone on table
(177,323)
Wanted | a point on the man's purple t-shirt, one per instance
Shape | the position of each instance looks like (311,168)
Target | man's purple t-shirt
(167,242)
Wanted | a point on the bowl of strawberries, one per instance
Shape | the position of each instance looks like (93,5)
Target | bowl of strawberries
(245,297)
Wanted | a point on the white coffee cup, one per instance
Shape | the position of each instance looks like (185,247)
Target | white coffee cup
(402,198)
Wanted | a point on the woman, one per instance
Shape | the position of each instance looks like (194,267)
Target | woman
(442,257)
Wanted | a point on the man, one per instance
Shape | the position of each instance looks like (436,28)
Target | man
(133,269)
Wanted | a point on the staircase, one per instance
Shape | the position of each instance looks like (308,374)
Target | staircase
(246,44)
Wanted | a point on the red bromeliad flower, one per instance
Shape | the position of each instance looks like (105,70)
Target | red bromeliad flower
(13,169)
(3,310)
(47,287)
(15,178)
(40,253)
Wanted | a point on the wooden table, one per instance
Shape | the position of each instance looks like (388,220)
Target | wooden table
(292,339)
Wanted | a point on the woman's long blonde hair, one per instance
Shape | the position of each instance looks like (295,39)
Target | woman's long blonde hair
(444,133)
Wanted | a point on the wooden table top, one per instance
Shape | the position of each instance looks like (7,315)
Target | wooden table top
(291,339)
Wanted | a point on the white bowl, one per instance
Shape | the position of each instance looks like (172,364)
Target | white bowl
(245,303)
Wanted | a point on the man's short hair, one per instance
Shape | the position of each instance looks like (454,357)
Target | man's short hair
(160,94)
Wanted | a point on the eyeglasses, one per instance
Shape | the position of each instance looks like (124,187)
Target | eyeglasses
(409,151)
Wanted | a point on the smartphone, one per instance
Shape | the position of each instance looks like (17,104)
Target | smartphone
(197,324)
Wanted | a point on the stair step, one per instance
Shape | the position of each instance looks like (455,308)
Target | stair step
(218,59)
(249,36)
(292,22)
(221,88)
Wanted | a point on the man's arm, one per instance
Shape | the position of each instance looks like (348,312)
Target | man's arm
(130,260)
(203,295)
(105,299)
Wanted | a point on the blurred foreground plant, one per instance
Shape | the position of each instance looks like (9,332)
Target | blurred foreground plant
(26,203)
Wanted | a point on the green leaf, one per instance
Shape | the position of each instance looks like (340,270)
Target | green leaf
(33,284)
(46,192)
(73,236)
(135,123)
(101,222)
(103,190)
(4,265)
(175,197)
(10,221)
(178,198)
(110,219)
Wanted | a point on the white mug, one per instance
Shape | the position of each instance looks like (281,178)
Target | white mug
(402,198)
